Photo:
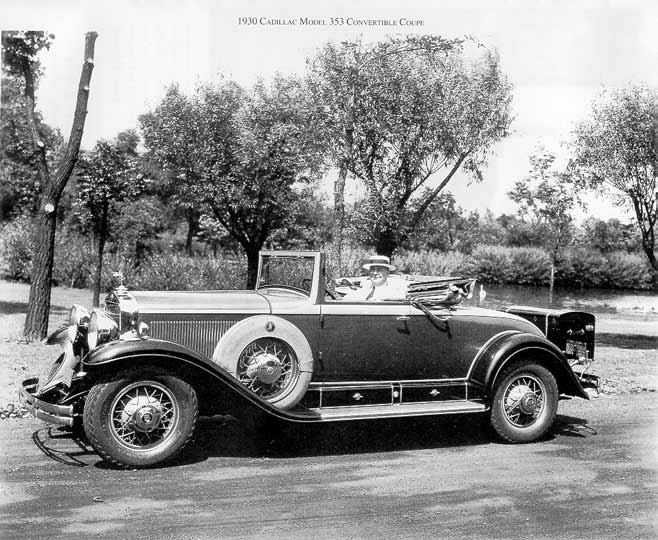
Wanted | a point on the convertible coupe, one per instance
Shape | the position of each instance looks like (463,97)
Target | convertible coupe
(136,374)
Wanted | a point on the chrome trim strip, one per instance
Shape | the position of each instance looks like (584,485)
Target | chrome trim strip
(201,310)
(384,383)
(486,346)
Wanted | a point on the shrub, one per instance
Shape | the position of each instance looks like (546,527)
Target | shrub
(433,263)
(628,271)
(582,267)
(16,249)
(74,261)
(490,264)
(529,266)
(169,272)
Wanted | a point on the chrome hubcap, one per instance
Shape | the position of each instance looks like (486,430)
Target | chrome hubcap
(143,415)
(523,401)
(268,366)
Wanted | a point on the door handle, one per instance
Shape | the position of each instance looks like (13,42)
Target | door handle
(402,318)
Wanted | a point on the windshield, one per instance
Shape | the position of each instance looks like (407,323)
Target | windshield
(287,271)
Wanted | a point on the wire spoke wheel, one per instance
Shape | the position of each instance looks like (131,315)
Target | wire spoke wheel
(524,400)
(269,367)
(524,403)
(143,415)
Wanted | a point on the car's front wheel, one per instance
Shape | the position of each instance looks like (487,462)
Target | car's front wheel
(524,402)
(140,418)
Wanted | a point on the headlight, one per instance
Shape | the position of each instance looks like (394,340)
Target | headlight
(78,315)
(101,329)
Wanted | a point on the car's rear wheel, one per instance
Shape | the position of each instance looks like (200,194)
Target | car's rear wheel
(141,418)
(524,404)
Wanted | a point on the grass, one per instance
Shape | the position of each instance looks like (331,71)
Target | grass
(626,358)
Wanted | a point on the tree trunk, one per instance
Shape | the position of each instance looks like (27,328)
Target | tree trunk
(192,228)
(651,256)
(339,213)
(38,307)
(36,320)
(252,267)
(99,263)
(551,283)
(386,243)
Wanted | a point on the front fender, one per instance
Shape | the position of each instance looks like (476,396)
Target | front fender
(510,346)
(223,393)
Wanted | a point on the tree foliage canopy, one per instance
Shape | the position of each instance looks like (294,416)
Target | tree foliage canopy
(403,110)
(546,199)
(238,155)
(616,150)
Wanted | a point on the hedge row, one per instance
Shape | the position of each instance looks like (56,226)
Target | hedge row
(75,262)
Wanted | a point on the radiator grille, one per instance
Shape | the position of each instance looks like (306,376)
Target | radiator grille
(200,336)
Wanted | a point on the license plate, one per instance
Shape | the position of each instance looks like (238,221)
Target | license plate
(576,348)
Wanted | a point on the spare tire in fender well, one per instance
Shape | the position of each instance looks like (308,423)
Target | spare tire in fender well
(270,355)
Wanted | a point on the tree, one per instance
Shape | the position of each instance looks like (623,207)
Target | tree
(242,156)
(19,182)
(615,150)
(185,137)
(20,57)
(445,227)
(107,176)
(339,78)
(420,113)
(275,152)
(608,236)
(546,199)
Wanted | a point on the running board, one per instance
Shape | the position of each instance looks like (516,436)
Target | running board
(364,412)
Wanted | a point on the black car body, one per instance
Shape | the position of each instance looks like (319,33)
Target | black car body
(137,374)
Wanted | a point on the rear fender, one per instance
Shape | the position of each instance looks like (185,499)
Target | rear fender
(512,346)
(218,391)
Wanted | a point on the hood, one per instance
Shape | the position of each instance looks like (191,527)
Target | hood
(201,301)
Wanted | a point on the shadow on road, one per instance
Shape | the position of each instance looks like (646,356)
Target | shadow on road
(571,426)
(64,446)
(225,436)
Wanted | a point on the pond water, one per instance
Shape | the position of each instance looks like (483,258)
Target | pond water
(641,304)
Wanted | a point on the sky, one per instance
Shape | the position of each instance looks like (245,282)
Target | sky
(558,55)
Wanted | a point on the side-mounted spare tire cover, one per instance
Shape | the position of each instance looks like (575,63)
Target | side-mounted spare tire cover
(270,356)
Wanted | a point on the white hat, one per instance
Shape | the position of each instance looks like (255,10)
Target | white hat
(379,260)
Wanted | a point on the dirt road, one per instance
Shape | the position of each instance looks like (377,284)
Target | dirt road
(594,477)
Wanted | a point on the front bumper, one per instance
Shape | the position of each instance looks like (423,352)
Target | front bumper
(44,410)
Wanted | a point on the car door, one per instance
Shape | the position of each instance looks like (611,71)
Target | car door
(363,341)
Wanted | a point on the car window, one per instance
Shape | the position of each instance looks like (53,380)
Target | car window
(296,272)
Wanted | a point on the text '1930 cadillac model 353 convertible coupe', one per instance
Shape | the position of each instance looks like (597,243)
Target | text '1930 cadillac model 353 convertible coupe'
(136,374)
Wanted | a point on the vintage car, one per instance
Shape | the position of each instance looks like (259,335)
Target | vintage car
(136,374)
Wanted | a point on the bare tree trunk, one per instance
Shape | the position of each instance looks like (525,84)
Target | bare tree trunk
(192,228)
(252,267)
(36,321)
(339,214)
(102,237)
(551,283)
